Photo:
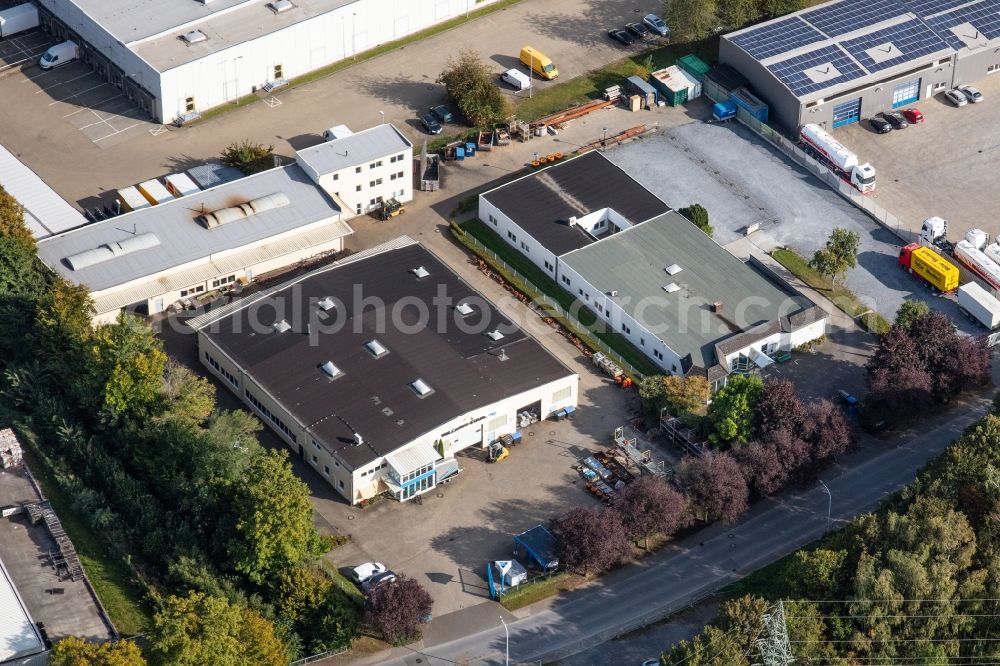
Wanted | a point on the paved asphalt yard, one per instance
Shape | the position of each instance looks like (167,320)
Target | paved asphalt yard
(400,83)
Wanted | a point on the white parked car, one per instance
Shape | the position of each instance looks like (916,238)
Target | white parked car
(971,94)
(365,571)
(957,97)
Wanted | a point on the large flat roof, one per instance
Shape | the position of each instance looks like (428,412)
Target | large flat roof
(845,44)
(182,239)
(356,149)
(464,368)
(45,212)
(541,203)
(18,636)
(634,263)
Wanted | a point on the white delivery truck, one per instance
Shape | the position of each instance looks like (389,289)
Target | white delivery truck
(517,79)
(60,54)
(836,157)
(979,305)
(18,19)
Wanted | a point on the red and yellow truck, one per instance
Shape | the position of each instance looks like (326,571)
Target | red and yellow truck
(929,266)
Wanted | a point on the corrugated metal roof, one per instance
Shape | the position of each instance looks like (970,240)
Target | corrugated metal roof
(413,458)
(18,636)
(631,262)
(358,149)
(182,239)
(45,212)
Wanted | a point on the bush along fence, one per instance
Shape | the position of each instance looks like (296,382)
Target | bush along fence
(789,148)
(544,305)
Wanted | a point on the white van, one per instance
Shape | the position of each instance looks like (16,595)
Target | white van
(517,79)
(60,54)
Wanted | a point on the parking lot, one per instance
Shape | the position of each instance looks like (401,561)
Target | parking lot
(742,180)
(944,166)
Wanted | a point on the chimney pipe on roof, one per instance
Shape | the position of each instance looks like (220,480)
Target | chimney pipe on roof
(717,306)
(358,439)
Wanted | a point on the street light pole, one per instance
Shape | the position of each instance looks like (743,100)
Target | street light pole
(506,632)
(829,503)
(604,141)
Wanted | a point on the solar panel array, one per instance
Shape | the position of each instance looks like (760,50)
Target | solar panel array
(792,72)
(925,8)
(846,16)
(984,16)
(910,40)
(779,37)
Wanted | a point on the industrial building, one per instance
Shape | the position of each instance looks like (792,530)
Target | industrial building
(177,57)
(842,61)
(20,642)
(378,369)
(649,273)
(45,212)
(224,236)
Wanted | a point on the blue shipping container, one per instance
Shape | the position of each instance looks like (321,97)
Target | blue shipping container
(470,149)
(745,99)
(724,110)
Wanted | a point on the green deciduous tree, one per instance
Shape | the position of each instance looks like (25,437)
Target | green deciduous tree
(732,410)
(274,523)
(687,394)
(298,591)
(838,256)
(691,20)
(909,312)
(698,216)
(187,395)
(471,86)
(734,14)
(128,363)
(198,629)
(73,651)
(249,157)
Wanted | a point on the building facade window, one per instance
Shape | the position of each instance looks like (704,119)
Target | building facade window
(512,236)
(264,411)
(565,280)
(493,220)
(326,470)
(548,266)
(658,354)
(626,329)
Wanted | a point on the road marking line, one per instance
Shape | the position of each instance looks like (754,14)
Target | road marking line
(82,76)
(76,94)
(118,132)
(108,99)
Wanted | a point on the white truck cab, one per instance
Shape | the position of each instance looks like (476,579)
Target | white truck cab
(60,54)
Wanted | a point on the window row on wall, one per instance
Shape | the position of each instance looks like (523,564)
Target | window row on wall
(278,423)
(222,371)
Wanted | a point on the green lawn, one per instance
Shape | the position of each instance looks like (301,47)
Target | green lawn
(116,585)
(839,295)
(539,282)
(342,582)
(528,593)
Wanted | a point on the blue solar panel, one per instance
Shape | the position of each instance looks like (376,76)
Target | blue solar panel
(908,41)
(779,37)
(984,16)
(850,15)
(925,8)
(792,72)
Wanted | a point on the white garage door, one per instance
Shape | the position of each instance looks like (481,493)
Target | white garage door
(906,93)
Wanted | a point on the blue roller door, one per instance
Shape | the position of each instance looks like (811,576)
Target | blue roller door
(846,113)
(906,93)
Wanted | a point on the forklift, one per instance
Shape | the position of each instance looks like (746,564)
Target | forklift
(496,452)
(390,209)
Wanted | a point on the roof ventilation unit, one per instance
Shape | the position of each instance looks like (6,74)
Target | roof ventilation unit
(672,269)
(464,309)
(244,210)
(671,288)
(111,250)
(717,306)
(495,334)
(194,37)
(420,272)
(325,304)
(376,348)
(613,293)
(330,370)
(279,6)
(282,326)
(421,388)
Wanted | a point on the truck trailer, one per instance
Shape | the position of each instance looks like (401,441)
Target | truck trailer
(929,266)
(979,305)
(976,261)
(835,156)
(18,19)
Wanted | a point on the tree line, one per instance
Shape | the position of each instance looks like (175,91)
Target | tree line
(220,527)
(692,20)
(914,582)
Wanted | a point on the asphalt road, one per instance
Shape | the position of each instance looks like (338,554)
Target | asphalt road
(672,579)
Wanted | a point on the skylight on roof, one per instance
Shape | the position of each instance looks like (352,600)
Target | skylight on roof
(673,269)
(420,272)
(376,348)
(495,334)
(194,37)
(279,6)
(325,304)
(464,309)
(330,370)
(421,388)
(671,288)
(282,326)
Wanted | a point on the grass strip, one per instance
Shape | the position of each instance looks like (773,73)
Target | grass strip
(526,594)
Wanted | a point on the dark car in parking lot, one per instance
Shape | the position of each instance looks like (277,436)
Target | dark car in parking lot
(896,119)
(442,113)
(880,124)
(621,36)
(638,29)
(430,124)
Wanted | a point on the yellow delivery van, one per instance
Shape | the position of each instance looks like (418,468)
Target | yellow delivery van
(539,63)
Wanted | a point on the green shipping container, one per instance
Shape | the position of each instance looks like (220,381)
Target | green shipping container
(694,66)
(673,97)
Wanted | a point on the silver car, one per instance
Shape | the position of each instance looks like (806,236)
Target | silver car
(971,94)
(957,97)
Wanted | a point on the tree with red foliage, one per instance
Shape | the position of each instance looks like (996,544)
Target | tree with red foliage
(779,409)
(830,433)
(395,609)
(715,486)
(649,506)
(764,472)
(896,394)
(590,538)
(970,363)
